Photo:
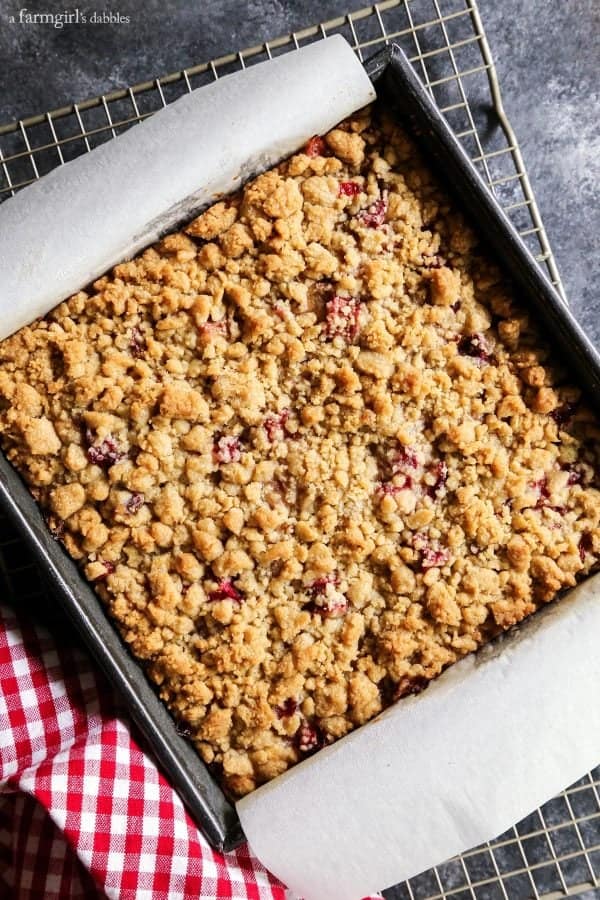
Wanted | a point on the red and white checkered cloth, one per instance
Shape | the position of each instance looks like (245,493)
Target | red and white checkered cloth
(84,812)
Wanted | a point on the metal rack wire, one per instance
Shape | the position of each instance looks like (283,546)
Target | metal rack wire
(556,850)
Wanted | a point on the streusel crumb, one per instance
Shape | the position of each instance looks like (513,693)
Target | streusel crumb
(310,450)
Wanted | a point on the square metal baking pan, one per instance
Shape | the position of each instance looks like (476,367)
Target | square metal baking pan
(400,89)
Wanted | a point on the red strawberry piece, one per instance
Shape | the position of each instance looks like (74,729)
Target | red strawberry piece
(390,489)
(315,146)
(134,503)
(319,586)
(227,449)
(434,557)
(440,471)
(349,189)
(410,685)
(109,568)
(403,462)
(475,346)
(225,590)
(104,454)
(212,329)
(341,317)
(419,541)
(403,459)
(275,424)
(541,486)
(374,215)
(586,545)
(328,601)
(287,708)
(308,738)
(564,414)
(137,343)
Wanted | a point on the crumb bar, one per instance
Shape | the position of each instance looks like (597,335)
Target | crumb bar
(310,450)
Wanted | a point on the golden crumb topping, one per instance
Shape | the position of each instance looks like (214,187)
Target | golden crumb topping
(310,450)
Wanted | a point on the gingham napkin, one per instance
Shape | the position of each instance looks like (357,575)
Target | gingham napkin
(84,812)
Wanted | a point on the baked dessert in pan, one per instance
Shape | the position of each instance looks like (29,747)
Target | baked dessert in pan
(309,450)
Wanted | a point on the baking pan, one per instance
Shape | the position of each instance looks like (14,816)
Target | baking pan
(400,89)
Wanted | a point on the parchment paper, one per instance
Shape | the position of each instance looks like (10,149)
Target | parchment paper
(60,233)
(495,736)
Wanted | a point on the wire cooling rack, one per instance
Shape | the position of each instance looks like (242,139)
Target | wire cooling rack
(555,851)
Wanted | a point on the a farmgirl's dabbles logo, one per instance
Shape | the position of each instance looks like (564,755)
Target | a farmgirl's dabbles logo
(68,17)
